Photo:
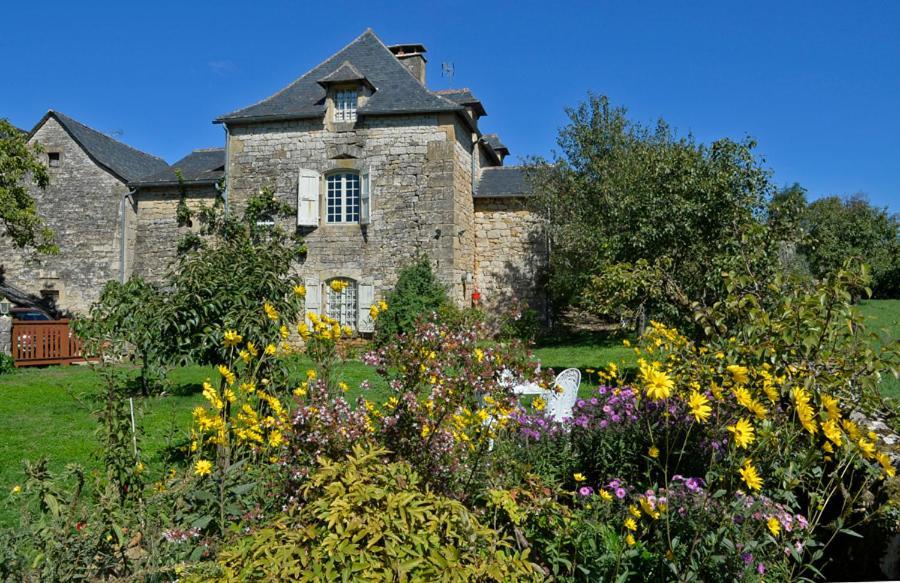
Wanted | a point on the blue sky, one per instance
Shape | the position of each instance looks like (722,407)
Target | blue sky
(817,83)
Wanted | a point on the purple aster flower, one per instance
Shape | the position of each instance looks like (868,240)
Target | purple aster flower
(585,491)
(760,568)
(620,493)
(747,558)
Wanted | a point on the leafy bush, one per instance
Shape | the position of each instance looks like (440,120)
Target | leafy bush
(416,294)
(7,364)
(519,322)
(367,519)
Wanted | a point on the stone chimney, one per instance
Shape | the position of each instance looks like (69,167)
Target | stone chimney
(413,58)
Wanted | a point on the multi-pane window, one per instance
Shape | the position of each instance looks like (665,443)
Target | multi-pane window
(345,105)
(342,198)
(341,301)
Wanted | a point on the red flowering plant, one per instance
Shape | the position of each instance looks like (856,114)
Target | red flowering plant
(450,397)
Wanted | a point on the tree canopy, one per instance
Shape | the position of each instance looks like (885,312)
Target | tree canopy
(19,165)
(644,221)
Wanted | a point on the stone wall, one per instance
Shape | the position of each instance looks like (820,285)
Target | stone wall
(414,167)
(82,206)
(510,254)
(157,233)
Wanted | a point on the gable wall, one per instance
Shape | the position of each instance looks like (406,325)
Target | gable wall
(412,159)
(82,206)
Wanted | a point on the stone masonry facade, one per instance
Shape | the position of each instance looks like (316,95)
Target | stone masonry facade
(83,207)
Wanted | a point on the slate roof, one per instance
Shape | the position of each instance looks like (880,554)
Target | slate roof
(463,97)
(125,162)
(396,90)
(343,74)
(205,166)
(493,140)
(502,182)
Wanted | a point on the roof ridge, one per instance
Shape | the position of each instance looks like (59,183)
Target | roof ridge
(460,90)
(303,76)
(216,149)
(107,136)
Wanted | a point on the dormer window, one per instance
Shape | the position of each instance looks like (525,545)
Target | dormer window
(345,105)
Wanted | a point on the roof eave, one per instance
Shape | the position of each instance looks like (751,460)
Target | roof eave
(200,182)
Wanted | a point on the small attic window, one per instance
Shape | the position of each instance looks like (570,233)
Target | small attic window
(345,105)
(53,159)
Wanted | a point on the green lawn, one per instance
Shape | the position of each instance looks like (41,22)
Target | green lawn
(46,411)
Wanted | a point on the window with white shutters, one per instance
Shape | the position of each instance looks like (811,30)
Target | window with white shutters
(345,105)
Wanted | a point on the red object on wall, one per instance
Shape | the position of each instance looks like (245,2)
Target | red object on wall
(476,296)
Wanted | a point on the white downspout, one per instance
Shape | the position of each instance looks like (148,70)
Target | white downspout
(122,233)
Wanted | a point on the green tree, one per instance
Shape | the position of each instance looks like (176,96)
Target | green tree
(840,229)
(644,222)
(19,165)
(416,294)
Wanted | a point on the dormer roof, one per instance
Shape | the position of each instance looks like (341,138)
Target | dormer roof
(346,73)
(396,90)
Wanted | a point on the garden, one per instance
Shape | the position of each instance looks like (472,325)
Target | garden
(736,417)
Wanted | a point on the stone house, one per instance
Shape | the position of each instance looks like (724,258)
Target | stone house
(383,169)
(380,168)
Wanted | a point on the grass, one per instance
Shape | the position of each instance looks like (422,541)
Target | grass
(47,411)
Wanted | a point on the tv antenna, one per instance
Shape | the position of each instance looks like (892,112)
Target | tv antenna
(447,70)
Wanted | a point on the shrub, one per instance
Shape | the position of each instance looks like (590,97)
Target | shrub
(7,364)
(417,293)
(519,322)
(367,519)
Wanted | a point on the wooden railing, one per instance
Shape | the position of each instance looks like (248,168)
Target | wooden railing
(35,343)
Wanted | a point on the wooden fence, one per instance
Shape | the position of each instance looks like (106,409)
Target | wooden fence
(37,342)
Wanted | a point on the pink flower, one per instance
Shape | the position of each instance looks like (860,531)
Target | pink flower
(585,491)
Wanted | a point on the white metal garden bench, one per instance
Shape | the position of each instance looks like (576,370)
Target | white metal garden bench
(561,398)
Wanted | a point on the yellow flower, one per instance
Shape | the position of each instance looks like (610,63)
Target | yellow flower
(226,374)
(831,407)
(656,382)
(885,461)
(579,477)
(284,332)
(832,431)
(538,404)
(425,430)
(139,468)
(750,476)
(232,338)
(300,392)
(382,305)
(653,452)
(699,405)
(633,510)
(742,396)
(630,524)
(605,495)
(276,439)
(626,343)
(299,290)
(338,285)
(738,373)
(245,356)
(774,526)
(743,432)
(343,386)
(17,489)
(373,312)
(271,312)
(270,349)
(758,409)
(310,374)
(867,447)
(347,330)
(251,348)
(479,354)
(629,540)
(203,467)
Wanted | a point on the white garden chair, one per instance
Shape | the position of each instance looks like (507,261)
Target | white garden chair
(561,398)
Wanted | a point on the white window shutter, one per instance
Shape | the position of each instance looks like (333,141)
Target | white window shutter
(364,322)
(365,199)
(308,198)
(313,295)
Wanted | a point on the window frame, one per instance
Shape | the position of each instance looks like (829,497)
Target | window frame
(346,102)
(342,306)
(343,205)
(54,159)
